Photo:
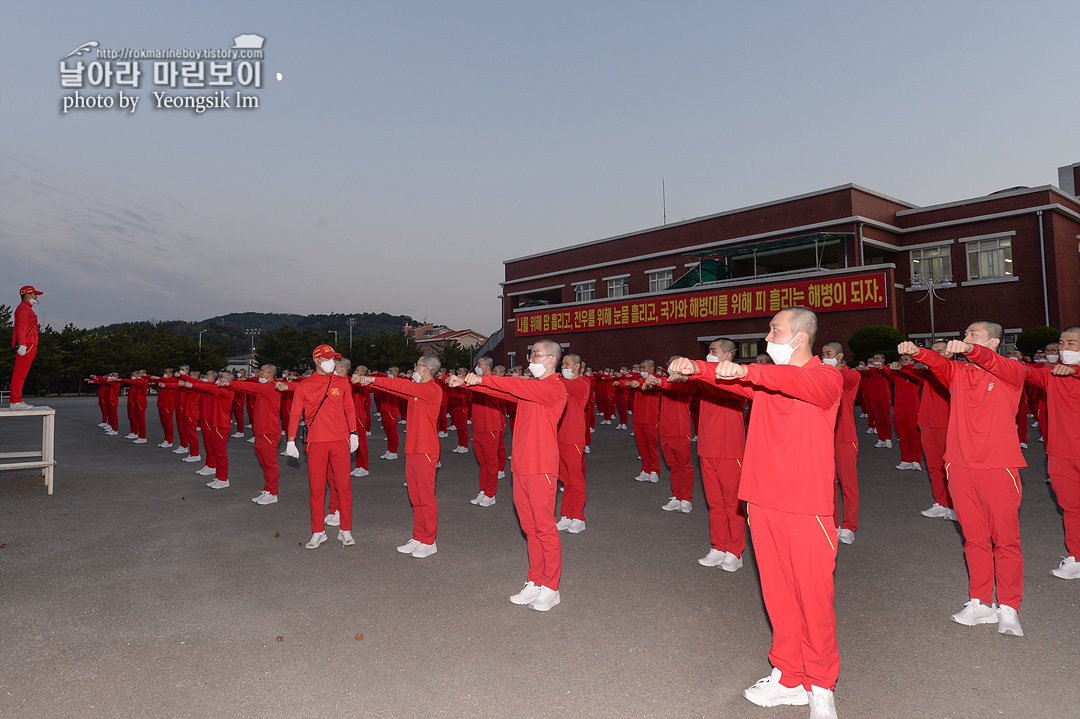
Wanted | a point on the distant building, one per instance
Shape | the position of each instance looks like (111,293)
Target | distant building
(433,344)
(855,256)
(243,362)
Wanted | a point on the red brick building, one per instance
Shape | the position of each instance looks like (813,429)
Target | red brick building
(855,256)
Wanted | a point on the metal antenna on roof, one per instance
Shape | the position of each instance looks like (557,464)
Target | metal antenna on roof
(663,189)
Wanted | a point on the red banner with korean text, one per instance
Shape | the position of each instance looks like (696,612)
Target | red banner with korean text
(828,294)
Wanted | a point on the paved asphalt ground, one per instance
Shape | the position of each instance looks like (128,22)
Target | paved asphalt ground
(136,591)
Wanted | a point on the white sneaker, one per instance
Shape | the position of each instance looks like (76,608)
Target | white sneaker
(333,519)
(218,484)
(672,505)
(477,498)
(251,440)
(452,428)
(888,444)
(180,450)
(1023,445)
(545,599)
(131,435)
(880,443)
(654,477)
(951,515)
(936,511)
(383,455)
(526,595)
(111,432)
(1008,622)
(501,475)
(401,421)
(731,563)
(563,523)
(165,445)
(346,538)
(261,495)
(846,536)
(424,550)
(685,507)
(141,440)
(237,435)
(577,526)
(316,539)
(1068,569)
(694,439)
(192,458)
(905,465)
(409,546)
(822,703)
(975,612)
(360,472)
(103,424)
(643,477)
(769,692)
(486,501)
(713,558)
(390,455)
(588,450)
(206,471)
(443,434)
(916,466)
(268,499)
(863,415)
(871,430)
(460,450)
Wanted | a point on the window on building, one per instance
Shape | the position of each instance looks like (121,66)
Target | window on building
(931,263)
(989,259)
(619,287)
(585,291)
(748,350)
(659,281)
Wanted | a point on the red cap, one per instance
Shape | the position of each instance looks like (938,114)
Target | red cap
(325,352)
(30,288)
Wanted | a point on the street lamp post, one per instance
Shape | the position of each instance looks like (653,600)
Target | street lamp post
(200,338)
(352,323)
(931,287)
(252,332)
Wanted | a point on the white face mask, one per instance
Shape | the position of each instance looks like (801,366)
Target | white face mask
(32,300)
(1052,358)
(568,373)
(536,369)
(712,358)
(781,354)
(1070,357)
(478,370)
(263,380)
(415,376)
(831,361)
(328,365)
(644,374)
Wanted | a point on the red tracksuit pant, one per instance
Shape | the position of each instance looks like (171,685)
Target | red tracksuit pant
(208,454)
(22,369)
(727,520)
(362,448)
(390,426)
(190,426)
(987,503)
(1065,478)
(460,419)
(420,476)
(137,420)
(104,409)
(677,454)
(907,431)
(846,457)
(622,406)
(329,461)
(933,446)
(216,440)
(881,411)
(1021,421)
(486,445)
(534,499)
(114,418)
(648,444)
(572,474)
(796,556)
(165,415)
(266,451)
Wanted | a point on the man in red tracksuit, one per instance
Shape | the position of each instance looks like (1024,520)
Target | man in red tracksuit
(24,340)
(389,411)
(620,397)
(845,445)
(535,465)
(216,416)
(362,402)
(138,385)
(983,461)
(571,437)
(721,440)
(906,414)
(166,406)
(206,412)
(266,425)
(239,401)
(110,386)
(877,391)
(324,400)
(933,427)
(458,402)
(489,426)
(646,422)
(422,449)
(1061,386)
(676,431)
(787,482)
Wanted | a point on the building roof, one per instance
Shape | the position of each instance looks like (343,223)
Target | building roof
(451,335)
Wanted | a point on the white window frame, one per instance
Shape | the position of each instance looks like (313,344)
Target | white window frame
(660,279)
(618,286)
(992,257)
(584,291)
(938,262)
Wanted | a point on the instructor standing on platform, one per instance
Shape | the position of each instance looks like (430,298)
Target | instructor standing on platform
(25,342)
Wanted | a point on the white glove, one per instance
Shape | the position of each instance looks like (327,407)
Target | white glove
(21,350)
(291,450)
(354,442)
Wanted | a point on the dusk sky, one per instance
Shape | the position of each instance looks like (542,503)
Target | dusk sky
(411,147)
